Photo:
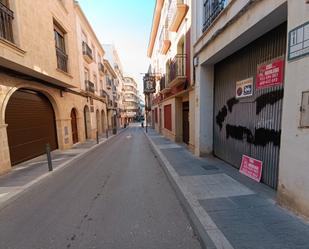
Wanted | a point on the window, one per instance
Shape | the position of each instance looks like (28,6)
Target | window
(95,81)
(6,19)
(86,74)
(62,58)
(211,9)
(5,2)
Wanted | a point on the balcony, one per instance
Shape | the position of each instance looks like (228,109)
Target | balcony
(179,10)
(87,52)
(109,83)
(101,68)
(6,19)
(89,86)
(165,42)
(130,99)
(103,94)
(163,87)
(211,10)
(177,73)
(110,104)
(131,108)
(62,60)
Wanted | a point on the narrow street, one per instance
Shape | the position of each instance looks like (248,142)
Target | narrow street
(115,197)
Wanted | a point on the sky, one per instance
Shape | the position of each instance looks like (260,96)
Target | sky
(127,25)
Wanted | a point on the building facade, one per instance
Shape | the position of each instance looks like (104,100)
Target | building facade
(249,59)
(170,53)
(52,88)
(131,100)
(114,59)
(112,102)
(91,70)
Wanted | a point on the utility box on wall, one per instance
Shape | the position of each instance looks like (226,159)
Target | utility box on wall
(304,111)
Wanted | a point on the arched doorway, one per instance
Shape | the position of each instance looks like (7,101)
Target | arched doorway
(31,125)
(74,126)
(104,127)
(87,122)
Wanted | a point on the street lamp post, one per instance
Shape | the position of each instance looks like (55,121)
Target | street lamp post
(149,88)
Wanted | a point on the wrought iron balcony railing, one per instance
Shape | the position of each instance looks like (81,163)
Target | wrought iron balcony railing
(6,19)
(62,60)
(211,9)
(177,67)
(89,86)
(162,83)
(87,51)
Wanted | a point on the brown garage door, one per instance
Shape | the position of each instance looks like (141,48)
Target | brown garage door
(31,124)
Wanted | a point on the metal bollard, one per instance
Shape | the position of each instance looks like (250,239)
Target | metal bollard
(106,133)
(49,161)
(97,137)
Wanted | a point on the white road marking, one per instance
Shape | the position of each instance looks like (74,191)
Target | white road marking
(129,136)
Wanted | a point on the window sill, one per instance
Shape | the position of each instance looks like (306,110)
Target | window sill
(12,46)
(65,73)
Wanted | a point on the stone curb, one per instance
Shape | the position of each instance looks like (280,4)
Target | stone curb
(208,233)
(62,166)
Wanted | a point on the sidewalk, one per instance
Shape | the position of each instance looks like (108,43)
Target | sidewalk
(227,209)
(28,173)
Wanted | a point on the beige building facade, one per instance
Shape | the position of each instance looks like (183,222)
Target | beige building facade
(170,53)
(251,89)
(52,84)
(130,100)
(113,57)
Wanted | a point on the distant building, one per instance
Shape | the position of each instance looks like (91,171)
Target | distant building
(131,100)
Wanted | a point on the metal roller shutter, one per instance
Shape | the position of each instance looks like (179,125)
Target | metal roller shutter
(31,125)
(250,125)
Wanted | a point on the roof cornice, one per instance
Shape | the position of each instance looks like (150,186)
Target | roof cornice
(155,25)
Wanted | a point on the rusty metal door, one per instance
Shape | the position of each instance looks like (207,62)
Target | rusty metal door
(31,125)
(251,125)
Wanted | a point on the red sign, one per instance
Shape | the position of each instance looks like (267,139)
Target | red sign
(251,168)
(270,74)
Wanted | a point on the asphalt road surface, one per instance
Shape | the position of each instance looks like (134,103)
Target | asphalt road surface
(116,197)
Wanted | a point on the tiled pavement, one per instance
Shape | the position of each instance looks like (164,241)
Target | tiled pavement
(25,174)
(244,212)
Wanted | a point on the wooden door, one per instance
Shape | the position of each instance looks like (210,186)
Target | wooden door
(185,122)
(74,126)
